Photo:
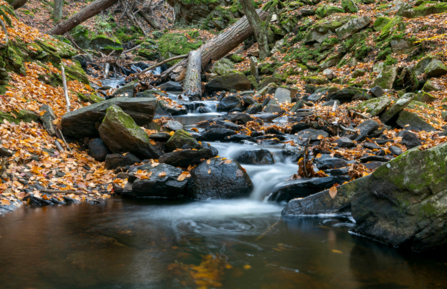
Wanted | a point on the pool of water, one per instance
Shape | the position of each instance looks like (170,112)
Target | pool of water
(211,244)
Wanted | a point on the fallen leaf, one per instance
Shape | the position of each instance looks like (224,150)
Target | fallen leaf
(337,251)
(5,202)
(333,192)
(152,142)
(208,162)
(227,162)
(209,171)
(162,174)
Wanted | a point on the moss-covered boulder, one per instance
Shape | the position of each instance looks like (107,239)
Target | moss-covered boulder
(386,78)
(349,6)
(178,43)
(231,81)
(181,139)
(410,120)
(223,67)
(425,9)
(374,106)
(19,116)
(397,107)
(148,50)
(353,26)
(381,22)
(327,10)
(121,134)
(106,44)
(425,97)
(429,85)
(404,203)
(435,68)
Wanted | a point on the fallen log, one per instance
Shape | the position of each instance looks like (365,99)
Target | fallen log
(149,21)
(192,84)
(164,61)
(219,46)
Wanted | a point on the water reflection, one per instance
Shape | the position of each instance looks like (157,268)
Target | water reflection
(236,244)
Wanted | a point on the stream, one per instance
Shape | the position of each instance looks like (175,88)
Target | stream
(245,243)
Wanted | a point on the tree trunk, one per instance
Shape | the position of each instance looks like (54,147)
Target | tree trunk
(219,46)
(86,13)
(17,3)
(57,12)
(149,21)
(260,28)
(193,84)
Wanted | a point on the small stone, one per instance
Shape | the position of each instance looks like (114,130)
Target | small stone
(345,142)
(409,139)
(371,146)
(173,125)
(376,91)
(98,150)
(395,150)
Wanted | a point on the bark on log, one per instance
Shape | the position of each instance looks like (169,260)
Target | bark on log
(219,46)
(18,3)
(86,13)
(192,84)
(149,21)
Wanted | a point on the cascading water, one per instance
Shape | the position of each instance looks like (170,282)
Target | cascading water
(264,177)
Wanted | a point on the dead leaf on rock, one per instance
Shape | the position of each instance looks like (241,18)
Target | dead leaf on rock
(333,192)
(162,174)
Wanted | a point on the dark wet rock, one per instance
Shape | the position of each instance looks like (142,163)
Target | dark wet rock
(114,161)
(238,138)
(228,103)
(396,150)
(330,163)
(268,117)
(181,139)
(409,139)
(220,179)
(273,108)
(186,157)
(248,100)
(216,134)
(301,188)
(397,107)
(410,120)
(214,151)
(83,122)
(98,150)
(47,119)
(376,91)
(164,109)
(204,109)
(173,125)
(365,128)
(371,146)
(228,124)
(373,165)
(254,108)
(125,91)
(331,103)
(373,158)
(337,172)
(323,203)
(292,152)
(256,157)
(348,94)
(121,134)
(238,117)
(160,136)
(403,202)
(236,81)
(162,182)
(171,86)
(344,142)
(311,133)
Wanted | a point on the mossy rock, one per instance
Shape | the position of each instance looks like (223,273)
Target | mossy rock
(381,22)
(106,44)
(75,72)
(223,67)
(425,9)
(319,80)
(327,10)
(374,106)
(396,24)
(236,58)
(19,116)
(349,6)
(172,44)
(92,98)
(182,139)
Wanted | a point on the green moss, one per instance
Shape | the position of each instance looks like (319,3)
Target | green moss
(172,44)
(362,52)
(348,6)
(237,58)
(327,10)
(381,22)
(390,60)
(383,54)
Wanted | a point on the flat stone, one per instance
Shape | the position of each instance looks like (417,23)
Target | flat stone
(173,125)
(344,142)
(397,107)
(256,157)
(282,95)
(395,150)
(410,120)
(376,91)
(409,139)
(435,68)
(171,86)
(365,128)
(114,161)
(371,146)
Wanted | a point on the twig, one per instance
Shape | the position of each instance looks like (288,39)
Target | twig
(164,61)
(65,142)
(64,81)
(306,150)
(106,72)
(6,34)
(347,129)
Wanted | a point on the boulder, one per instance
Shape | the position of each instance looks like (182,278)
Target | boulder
(236,81)
(312,133)
(228,103)
(435,68)
(348,94)
(386,77)
(121,134)
(162,181)
(409,139)
(219,179)
(83,122)
(403,202)
(425,97)
(160,136)
(282,95)
(397,107)
(171,86)
(374,106)
(401,46)
(345,142)
(125,91)
(114,161)
(301,188)
(238,117)
(353,26)
(98,150)
(323,203)
(412,121)
(256,157)
(181,139)
(365,128)
(422,64)
(429,86)
(47,119)
(173,125)
(330,163)
(376,91)
(186,157)
(216,134)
